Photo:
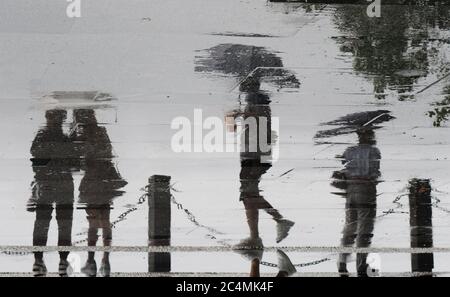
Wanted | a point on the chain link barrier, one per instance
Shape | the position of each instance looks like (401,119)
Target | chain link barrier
(192,218)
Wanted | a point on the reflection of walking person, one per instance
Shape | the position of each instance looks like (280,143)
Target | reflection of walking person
(252,169)
(100,184)
(359,178)
(53,158)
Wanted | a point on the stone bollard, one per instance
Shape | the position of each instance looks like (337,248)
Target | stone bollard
(159,216)
(420,221)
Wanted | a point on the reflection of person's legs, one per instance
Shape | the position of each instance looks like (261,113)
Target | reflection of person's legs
(252,214)
(274,213)
(254,255)
(106,226)
(92,231)
(249,176)
(348,235)
(258,202)
(64,217)
(253,221)
(366,222)
(283,225)
(107,240)
(90,268)
(41,226)
(40,235)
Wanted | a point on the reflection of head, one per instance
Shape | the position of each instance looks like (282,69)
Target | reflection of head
(55,116)
(366,136)
(84,116)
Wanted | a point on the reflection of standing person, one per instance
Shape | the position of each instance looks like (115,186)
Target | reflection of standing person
(100,184)
(53,157)
(362,169)
(253,166)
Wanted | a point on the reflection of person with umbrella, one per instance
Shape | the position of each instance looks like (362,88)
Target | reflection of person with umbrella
(359,179)
(253,165)
(100,184)
(362,169)
(253,65)
(53,158)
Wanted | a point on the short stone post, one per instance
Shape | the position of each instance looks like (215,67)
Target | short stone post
(159,216)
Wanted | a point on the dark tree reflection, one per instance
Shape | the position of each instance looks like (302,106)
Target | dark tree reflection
(394,50)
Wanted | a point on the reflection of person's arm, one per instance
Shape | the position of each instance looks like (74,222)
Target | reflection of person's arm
(377,158)
(345,157)
(377,154)
(36,144)
(40,148)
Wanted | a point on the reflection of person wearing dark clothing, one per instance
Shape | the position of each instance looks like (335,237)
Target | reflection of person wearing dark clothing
(53,159)
(255,154)
(362,169)
(100,184)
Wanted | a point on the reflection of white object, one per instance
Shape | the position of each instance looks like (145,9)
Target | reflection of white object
(244,248)
(374,265)
(284,263)
(283,227)
(80,96)
(75,264)
(78,99)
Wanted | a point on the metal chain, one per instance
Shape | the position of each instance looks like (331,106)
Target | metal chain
(436,204)
(316,262)
(12,253)
(191,217)
(393,210)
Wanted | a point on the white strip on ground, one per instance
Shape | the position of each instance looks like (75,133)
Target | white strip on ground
(165,249)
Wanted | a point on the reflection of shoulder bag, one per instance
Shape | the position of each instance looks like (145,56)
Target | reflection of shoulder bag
(340,184)
(339,180)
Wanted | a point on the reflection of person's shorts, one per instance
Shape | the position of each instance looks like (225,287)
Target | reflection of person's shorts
(46,193)
(254,201)
(253,168)
(361,194)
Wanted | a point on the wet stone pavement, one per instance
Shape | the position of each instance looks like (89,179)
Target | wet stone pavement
(354,178)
